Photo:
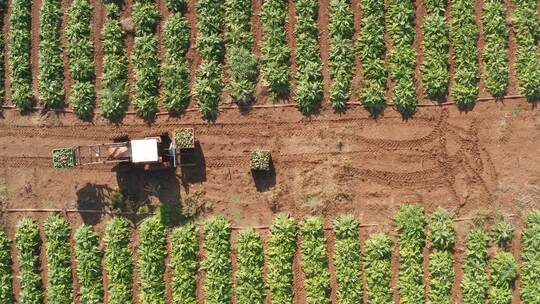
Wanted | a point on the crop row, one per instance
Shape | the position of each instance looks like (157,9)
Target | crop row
(151,263)
(475,280)
(217,262)
(503,266)
(377,267)
(175,68)
(275,53)
(28,249)
(371,48)
(241,62)
(527,29)
(464,36)
(184,253)
(309,86)
(442,237)
(410,224)
(88,256)
(496,48)
(57,248)
(400,18)
(81,58)
(435,66)
(118,261)
(3,7)
(6,278)
(530,276)
(249,272)
(341,53)
(347,260)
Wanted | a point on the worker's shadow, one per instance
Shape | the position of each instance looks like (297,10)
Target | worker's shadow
(93,198)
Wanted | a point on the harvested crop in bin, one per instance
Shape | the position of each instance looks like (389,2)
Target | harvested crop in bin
(260,160)
(64,158)
(184,138)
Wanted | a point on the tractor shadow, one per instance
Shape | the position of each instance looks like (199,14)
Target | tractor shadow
(192,167)
(93,197)
(264,180)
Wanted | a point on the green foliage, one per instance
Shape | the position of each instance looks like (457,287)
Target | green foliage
(114,95)
(475,280)
(151,264)
(410,223)
(442,238)
(400,19)
(527,29)
(315,261)
(175,68)
(51,67)
(88,257)
(275,52)
(280,254)
(176,6)
(464,36)
(20,67)
(504,271)
(208,87)
(347,260)
(28,247)
(341,53)
(217,263)
(435,66)
(502,232)
(145,17)
(146,73)
(249,273)
(371,49)
(185,249)
(377,266)
(2,49)
(530,276)
(118,261)
(309,85)
(57,247)
(242,64)
(6,278)
(496,48)
(81,58)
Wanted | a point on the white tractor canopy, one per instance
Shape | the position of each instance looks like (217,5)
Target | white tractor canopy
(144,150)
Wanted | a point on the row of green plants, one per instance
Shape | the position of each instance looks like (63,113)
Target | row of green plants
(249,272)
(315,261)
(184,265)
(20,67)
(151,263)
(57,249)
(463,37)
(28,245)
(530,276)
(378,268)
(80,49)
(275,53)
(527,29)
(442,238)
(410,224)
(6,278)
(241,62)
(3,6)
(371,49)
(309,85)
(118,261)
(175,67)
(114,92)
(436,43)
(347,260)
(503,265)
(88,257)
(495,51)
(51,67)
(217,262)
(401,15)
(209,83)
(280,255)
(475,282)
(145,58)
(341,53)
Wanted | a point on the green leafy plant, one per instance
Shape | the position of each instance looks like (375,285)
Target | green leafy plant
(20,67)
(260,160)
(63,158)
(504,271)
(57,247)
(371,49)
(435,65)
(347,260)
(309,84)
(6,278)
(280,254)
(3,6)
(249,273)
(341,53)
(88,256)
(526,26)
(496,47)
(184,253)
(118,261)
(530,276)
(28,248)
(151,264)
(81,58)
(475,281)
(315,261)
(463,37)
(208,88)
(377,267)
(275,53)
(502,232)
(442,239)
(410,224)
(217,263)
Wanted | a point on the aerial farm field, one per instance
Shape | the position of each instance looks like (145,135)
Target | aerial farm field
(403,140)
